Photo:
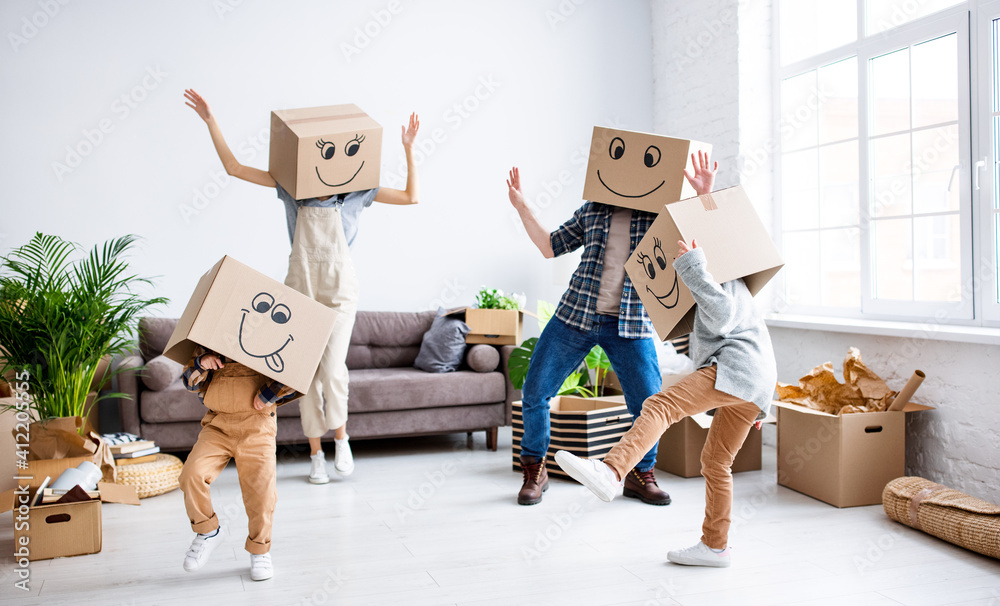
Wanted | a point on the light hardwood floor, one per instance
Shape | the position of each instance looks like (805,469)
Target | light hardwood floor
(431,521)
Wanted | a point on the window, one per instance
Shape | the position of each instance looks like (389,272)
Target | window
(876,180)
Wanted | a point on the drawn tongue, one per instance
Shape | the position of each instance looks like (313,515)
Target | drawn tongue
(275,363)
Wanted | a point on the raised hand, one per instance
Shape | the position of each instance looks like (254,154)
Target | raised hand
(198,104)
(703,178)
(410,134)
(683,247)
(514,189)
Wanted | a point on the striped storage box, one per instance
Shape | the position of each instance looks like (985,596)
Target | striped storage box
(586,427)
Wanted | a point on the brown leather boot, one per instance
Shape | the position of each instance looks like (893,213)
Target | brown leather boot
(642,485)
(536,481)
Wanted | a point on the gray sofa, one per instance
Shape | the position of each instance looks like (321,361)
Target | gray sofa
(388,396)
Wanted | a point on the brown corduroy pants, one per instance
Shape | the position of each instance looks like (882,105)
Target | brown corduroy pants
(730,426)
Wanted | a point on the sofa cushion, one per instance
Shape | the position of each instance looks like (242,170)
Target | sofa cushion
(161,372)
(171,404)
(443,346)
(154,334)
(483,358)
(407,388)
(387,339)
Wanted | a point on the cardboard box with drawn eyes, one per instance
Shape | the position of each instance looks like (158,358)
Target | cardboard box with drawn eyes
(321,151)
(259,322)
(735,243)
(639,170)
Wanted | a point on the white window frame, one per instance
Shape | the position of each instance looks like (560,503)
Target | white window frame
(976,233)
(983,145)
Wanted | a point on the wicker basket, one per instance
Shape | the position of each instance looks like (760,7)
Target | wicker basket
(944,513)
(153,478)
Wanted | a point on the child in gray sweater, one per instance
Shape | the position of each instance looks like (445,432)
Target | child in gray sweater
(736,375)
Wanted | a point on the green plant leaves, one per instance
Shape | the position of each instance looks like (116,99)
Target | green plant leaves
(520,358)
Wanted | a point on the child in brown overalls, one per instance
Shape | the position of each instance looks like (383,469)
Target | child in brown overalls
(240,424)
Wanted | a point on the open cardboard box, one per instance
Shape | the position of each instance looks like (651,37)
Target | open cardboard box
(255,320)
(586,427)
(639,170)
(493,326)
(51,531)
(733,238)
(680,447)
(843,460)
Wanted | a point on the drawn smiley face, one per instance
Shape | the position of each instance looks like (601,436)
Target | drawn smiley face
(657,265)
(337,167)
(269,333)
(622,153)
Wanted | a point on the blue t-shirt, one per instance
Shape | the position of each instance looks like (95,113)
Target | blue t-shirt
(351,204)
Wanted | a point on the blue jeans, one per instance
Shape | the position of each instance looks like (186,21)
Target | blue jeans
(560,351)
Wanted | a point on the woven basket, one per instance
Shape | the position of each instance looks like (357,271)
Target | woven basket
(944,513)
(153,478)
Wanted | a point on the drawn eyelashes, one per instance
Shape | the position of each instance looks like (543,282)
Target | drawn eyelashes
(327,149)
(647,262)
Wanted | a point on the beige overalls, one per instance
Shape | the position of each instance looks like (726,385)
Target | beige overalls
(233,428)
(320,267)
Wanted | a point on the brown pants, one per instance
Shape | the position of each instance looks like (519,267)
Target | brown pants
(730,426)
(249,438)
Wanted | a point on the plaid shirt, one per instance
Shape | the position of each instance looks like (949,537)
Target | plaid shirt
(589,228)
(197,379)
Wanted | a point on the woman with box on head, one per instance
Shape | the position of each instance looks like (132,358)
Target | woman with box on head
(324,180)
(736,376)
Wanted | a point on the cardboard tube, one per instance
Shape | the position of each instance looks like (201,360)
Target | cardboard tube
(908,390)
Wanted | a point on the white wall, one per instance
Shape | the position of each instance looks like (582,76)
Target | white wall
(495,83)
(712,79)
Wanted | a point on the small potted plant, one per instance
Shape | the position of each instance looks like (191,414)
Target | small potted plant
(496,319)
(59,319)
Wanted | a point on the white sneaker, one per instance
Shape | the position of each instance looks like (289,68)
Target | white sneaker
(201,547)
(343,460)
(318,475)
(260,567)
(700,555)
(592,473)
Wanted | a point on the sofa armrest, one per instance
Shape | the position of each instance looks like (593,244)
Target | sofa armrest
(512,394)
(129,383)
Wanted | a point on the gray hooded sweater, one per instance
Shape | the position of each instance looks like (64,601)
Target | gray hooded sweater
(728,332)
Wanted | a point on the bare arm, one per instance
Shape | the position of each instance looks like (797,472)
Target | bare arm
(538,234)
(233,167)
(411,195)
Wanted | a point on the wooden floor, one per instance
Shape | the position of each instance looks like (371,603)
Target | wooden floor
(431,521)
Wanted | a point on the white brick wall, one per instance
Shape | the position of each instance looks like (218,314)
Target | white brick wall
(712,84)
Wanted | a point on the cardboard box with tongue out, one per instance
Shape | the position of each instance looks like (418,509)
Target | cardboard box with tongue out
(255,320)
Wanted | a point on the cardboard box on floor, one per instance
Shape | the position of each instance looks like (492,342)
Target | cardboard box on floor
(60,530)
(320,151)
(493,326)
(259,322)
(586,427)
(638,170)
(843,460)
(735,243)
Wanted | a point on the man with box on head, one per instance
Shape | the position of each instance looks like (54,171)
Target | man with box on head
(324,163)
(601,306)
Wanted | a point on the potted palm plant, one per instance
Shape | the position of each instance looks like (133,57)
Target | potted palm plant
(59,318)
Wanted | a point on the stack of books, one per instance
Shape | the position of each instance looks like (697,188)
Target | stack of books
(129,449)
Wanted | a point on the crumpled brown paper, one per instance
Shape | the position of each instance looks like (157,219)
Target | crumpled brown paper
(61,439)
(862,390)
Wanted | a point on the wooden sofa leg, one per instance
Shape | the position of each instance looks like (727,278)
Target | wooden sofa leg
(491,438)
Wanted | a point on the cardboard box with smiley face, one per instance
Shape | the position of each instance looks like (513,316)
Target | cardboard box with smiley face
(321,151)
(259,322)
(639,170)
(735,243)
